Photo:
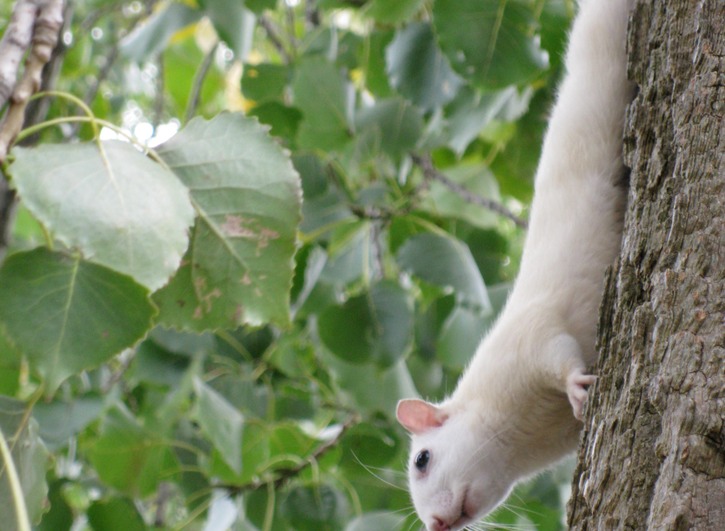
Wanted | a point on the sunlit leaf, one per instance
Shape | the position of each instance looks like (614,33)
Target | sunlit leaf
(110,201)
(238,268)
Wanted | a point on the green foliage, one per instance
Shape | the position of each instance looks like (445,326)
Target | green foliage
(187,343)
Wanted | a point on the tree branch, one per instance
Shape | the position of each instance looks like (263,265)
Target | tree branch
(14,43)
(274,38)
(199,78)
(430,173)
(44,18)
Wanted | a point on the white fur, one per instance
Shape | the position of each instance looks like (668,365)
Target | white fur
(511,413)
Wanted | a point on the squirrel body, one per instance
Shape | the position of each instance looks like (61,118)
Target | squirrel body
(517,407)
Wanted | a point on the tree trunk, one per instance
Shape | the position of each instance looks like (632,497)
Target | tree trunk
(653,447)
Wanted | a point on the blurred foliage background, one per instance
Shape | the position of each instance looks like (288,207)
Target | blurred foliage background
(211,331)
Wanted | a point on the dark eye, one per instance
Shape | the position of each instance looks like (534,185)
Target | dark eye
(421,460)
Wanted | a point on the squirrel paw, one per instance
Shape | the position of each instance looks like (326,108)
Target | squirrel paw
(576,389)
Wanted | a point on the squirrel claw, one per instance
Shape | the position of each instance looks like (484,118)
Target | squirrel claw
(576,389)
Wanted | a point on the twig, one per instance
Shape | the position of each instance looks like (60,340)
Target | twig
(45,18)
(430,173)
(160,91)
(199,78)
(274,38)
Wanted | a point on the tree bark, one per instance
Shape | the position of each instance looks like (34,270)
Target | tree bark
(653,446)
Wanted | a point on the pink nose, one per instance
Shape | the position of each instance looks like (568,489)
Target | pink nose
(439,525)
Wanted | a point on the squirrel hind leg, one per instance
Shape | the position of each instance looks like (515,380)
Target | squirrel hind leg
(577,385)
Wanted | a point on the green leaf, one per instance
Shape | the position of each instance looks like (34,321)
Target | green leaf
(265,81)
(109,200)
(30,459)
(238,268)
(60,515)
(389,12)
(155,365)
(283,120)
(392,125)
(372,61)
(222,423)
(258,6)
(320,92)
(61,420)
(153,36)
(115,513)
(67,315)
(473,110)
(319,508)
(446,262)
(374,521)
(233,22)
(378,446)
(372,389)
(10,366)
(418,69)
(129,457)
(376,326)
(460,337)
(181,64)
(490,42)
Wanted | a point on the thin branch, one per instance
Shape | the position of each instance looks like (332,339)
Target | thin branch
(7,208)
(199,78)
(14,44)
(430,173)
(159,99)
(274,38)
(37,109)
(47,19)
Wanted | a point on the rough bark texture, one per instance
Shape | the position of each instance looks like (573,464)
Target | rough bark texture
(653,448)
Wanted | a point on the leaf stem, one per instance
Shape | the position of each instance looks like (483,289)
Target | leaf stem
(21,511)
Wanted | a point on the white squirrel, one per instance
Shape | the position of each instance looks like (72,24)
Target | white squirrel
(511,413)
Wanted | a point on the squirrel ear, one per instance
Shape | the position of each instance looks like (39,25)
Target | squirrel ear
(418,416)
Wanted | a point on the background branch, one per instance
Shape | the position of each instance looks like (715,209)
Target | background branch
(46,24)
(199,83)
(429,172)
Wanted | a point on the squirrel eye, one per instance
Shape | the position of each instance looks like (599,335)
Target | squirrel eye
(421,460)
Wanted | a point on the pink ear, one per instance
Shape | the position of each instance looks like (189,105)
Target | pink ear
(418,416)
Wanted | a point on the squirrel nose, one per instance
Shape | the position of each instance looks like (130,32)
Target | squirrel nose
(439,525)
